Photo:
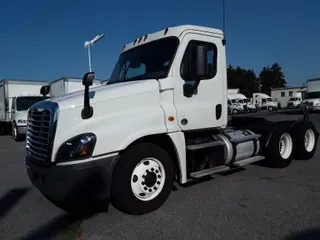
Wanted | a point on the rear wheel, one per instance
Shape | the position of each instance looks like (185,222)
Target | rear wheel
(280,150)
(306,138)
(142,180)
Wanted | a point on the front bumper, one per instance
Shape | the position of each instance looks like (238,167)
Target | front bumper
(22,129)
(88,181)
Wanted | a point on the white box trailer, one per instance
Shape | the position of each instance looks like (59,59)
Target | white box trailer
(16,96)
(67,85)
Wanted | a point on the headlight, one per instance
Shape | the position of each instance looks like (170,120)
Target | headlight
(77,148)
(22,121)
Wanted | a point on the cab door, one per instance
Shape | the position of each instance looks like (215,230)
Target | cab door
(207,107)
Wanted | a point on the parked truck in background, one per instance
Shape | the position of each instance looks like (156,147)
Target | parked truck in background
(234,105)
(264,102)
(162,117)
(16,96)
(295,100)
(312,98)
(67,85)
(247,104)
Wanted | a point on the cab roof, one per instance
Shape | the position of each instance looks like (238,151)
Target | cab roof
(169,32)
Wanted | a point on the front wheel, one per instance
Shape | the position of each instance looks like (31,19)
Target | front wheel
(143,179)
(234,111)
(270,109)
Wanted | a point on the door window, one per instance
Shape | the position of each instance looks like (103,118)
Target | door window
(212,60)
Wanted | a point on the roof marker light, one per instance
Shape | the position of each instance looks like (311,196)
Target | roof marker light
(135,41)
(165,31)
(140,39)
(145,37)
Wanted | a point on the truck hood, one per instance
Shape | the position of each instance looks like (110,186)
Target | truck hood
(106,92)
(21,117)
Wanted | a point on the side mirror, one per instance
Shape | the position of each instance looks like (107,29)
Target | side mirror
(45,90)
(87,79)
(199,62)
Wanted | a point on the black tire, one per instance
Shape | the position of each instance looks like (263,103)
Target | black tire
(270,109)
(234,111)
(272,151)
(299,131)
(122,196)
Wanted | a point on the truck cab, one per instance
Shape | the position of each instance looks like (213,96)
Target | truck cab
(19,111)
(312,98)
(235,105)
(246,101)
(295,101)
(161,118)
(264,101)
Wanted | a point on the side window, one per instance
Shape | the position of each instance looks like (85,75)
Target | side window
(264,100)
(212,60)
(290,93)
(229,102)
(283,94)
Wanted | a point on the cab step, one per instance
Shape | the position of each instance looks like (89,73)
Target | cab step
(224,168)
(248,161)
(193,147)
(209,171)
(245,138)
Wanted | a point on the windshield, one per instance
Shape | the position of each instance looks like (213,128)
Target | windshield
(240,101)
(269,99)
(23,103)
(246,100)
(311,95)
(150,60)
(293,99)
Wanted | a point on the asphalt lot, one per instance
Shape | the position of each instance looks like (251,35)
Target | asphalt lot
(256,203)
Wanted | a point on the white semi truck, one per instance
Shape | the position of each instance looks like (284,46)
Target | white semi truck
(264,101)
(16,96)
(244,101)
(234,105)
(161,118)
(295,100)
(312,98)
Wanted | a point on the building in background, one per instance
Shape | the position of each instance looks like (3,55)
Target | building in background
(282,95)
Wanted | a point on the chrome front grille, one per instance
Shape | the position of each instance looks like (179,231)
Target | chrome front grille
(41,130)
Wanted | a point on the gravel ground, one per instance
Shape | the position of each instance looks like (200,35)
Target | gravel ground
(255,203)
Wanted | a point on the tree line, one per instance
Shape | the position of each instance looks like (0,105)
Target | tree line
(248,82)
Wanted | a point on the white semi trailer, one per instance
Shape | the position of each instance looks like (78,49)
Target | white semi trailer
(16,96)
(67,85)
(162,117)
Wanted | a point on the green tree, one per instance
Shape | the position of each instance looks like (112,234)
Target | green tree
(272,77)
(244,79)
